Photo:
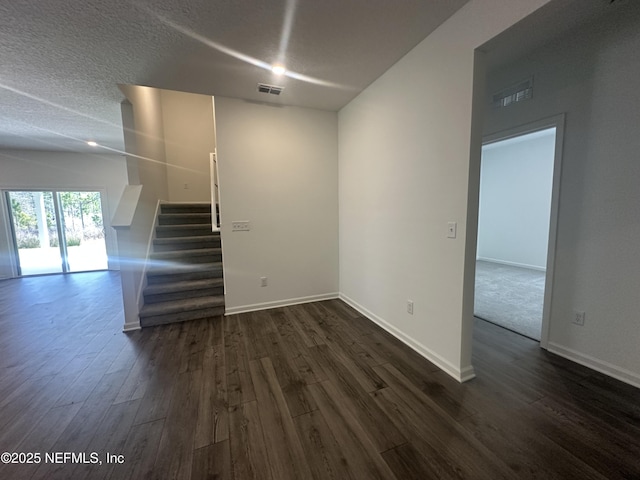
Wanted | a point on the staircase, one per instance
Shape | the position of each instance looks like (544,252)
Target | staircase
(184,279)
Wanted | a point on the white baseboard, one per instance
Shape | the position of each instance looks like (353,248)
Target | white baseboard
(512,264)
(131,327)
(461,375)
(466,374)
(280,303)
(601,366)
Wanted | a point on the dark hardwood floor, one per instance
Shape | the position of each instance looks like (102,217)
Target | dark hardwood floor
(310,391)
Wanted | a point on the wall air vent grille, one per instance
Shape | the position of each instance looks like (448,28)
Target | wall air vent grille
(519,92)
(272,89)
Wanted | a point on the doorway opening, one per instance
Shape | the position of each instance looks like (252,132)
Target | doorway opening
(57,231)
(517,217)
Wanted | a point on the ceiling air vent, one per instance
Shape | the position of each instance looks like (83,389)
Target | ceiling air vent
(519,92)
(272,89)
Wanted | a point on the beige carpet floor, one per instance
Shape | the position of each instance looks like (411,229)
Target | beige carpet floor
(511,297)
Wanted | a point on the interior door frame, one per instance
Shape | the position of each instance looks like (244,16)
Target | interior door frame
(557,122)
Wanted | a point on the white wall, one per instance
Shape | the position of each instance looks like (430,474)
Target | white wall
(189,138)
(516,178)
(405,146)
(592,75)
(61,170)
(278,170)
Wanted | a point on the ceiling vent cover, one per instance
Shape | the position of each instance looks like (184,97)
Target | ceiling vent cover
(519,92)
(272,89)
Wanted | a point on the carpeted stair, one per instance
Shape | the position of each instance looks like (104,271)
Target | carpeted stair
(184,279)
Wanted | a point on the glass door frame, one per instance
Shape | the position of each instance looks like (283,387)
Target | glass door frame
(60,225)
(15,261)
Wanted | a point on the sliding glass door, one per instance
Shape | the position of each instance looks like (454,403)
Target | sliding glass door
(56,232)
(34,232)
(84,230)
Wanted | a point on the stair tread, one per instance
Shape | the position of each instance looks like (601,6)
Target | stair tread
(194,214)
(177,306)
(182,268)
(178,288)
(185,204)
(182,286)
(186,226)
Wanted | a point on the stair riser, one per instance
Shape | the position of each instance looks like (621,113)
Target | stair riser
(178,255)
(185,276)
(166,297)
(178,277)
(183,220)
(181,317)
(213,242)
(201,284)
(205,230)
(185,209)
(188,260)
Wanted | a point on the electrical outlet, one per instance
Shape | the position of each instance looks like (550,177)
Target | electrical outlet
(263,281)
(410,307)
(240,226)
(578,318)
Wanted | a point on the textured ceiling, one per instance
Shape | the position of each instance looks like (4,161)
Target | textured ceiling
(63,59)
(556,19)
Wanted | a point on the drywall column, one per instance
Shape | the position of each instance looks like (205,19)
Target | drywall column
(148,140)
(146,158)
(123,220)
(429,155)
(129,135)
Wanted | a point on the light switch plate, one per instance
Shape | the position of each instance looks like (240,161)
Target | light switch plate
(452,229)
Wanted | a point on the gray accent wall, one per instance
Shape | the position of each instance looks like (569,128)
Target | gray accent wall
(591,75)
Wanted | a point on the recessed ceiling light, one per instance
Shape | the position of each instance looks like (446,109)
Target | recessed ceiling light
(92,143)
(278,69)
